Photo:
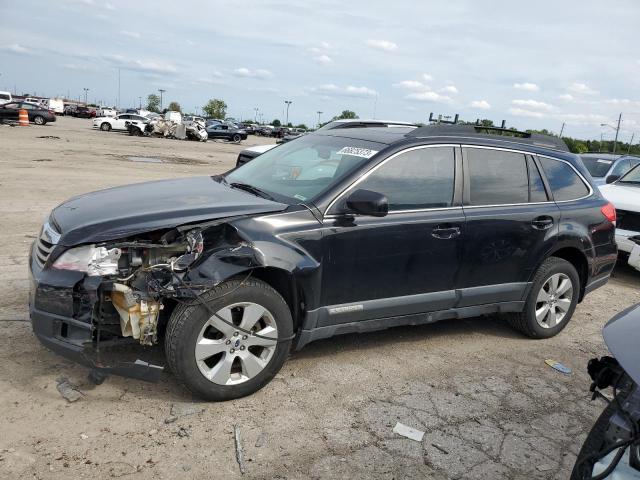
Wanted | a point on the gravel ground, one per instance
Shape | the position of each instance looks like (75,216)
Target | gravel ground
(489,405)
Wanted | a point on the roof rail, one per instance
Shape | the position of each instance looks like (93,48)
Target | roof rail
(498,133)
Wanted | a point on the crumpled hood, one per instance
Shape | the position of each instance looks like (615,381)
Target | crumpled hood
(131,209)
(622,336)
(623,197)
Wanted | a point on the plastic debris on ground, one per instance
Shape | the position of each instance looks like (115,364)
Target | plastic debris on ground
(408,432)
(559,367)
(68,391)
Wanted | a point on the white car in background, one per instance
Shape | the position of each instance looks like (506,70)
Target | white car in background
(106,112)
(116,123)
(625,196)
(5,97)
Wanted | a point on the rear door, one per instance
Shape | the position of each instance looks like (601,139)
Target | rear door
(511,224)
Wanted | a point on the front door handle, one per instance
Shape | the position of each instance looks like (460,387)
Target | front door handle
(542,223)
(445,232)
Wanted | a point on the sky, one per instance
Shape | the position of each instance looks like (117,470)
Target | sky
(534,64)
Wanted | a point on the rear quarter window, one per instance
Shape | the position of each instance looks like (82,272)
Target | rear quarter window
(565,183)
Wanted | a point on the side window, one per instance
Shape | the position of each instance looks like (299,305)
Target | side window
(496,177)
(421,178)
(563,180)
(622,167)
(537,193)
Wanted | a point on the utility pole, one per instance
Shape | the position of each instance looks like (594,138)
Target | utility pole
(615,142)
(600,148)
(85,95)
(561,130)
(161,90)
(255,119)
(319,113)
(630,142)
(140,99)
(288,103)
(118,87)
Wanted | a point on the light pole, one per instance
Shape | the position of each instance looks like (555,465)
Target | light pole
(140,100)
(288,103)
(617,129)
(161,90)
(319,113)
(85,95)
(255,119)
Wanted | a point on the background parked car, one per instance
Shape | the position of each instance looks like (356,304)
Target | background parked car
(119,122)
(84,112)
(226,131)
(106,112)
(5,97)
(37,114)
(603,166)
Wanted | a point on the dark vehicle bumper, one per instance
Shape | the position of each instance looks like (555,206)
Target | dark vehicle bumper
(60,326)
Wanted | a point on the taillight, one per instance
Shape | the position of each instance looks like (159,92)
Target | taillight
(609,212)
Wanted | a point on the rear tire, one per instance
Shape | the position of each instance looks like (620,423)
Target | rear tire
(237,137)
(214,360)
(39,120)
(551,301)
(105,127)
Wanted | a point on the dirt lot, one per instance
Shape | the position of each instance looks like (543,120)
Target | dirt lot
(490,406)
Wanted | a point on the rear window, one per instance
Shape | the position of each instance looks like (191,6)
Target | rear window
(496,177)
(565,183)
(598,167)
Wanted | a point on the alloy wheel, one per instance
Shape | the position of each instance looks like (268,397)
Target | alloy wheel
(38,120)
(226,355)
(554,300)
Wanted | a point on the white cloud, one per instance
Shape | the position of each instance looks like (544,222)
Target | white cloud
(249,73)
(566,97)
(17,48)
(426,77)
(411,85)
(384,45)
(534,104)
(323,59)
(130,34)
(583,118)
(449,89)
(526,86)
(146,65)
(428,97)
(520,112)
(581,89)
(481,104)
(348,91)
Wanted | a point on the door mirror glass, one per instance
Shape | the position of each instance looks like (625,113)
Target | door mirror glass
(612,178)
(366,202)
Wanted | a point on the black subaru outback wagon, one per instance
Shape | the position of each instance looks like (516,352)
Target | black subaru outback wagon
(340,231)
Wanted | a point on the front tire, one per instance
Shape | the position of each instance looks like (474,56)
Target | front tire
(551,301)
(105,127)
(237,138)
(218,361)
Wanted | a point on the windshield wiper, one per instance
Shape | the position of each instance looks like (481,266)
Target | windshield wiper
(251,189)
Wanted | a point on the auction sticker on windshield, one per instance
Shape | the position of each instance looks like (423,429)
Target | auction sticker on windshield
(357,152)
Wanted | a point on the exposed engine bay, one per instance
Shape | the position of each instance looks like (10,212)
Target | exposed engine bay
(137,277)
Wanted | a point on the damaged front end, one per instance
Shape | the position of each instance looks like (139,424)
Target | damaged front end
(124,291)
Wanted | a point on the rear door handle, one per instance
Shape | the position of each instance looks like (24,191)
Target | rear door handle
(445,232)
(542,223)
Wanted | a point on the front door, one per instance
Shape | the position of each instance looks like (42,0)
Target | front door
(511,225)
(403,263)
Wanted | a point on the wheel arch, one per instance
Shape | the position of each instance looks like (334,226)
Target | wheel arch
(578,259)
(285,284)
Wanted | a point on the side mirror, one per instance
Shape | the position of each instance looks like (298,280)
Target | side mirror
(366,202)
(612,178)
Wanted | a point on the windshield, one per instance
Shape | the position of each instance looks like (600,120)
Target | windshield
(632,176)
(598,167)
(302,169)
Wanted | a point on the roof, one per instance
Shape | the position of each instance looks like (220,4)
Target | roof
(365,123)
(383,135)
(502,135)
